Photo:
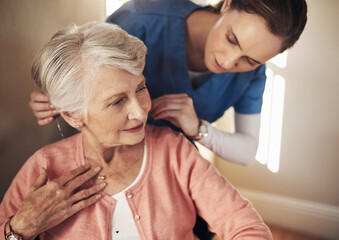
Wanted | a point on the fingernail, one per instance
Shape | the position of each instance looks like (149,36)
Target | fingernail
(97,169)
(102,184)
(98,196)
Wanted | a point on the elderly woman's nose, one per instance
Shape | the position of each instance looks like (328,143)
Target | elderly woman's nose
(135,109)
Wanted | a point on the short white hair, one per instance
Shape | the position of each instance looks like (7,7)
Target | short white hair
(64,67)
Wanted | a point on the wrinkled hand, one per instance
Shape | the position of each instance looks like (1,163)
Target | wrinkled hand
(178,109)
(42,108)
(48,204)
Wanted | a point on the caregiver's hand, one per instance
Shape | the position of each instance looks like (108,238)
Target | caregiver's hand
(48,204)
(178,109)
(42,108)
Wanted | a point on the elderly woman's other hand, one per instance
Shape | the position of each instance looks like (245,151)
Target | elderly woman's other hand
(50,203)
(42,108)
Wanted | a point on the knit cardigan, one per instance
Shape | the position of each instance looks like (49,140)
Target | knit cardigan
(176,185)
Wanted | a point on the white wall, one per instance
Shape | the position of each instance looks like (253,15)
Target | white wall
(309,161)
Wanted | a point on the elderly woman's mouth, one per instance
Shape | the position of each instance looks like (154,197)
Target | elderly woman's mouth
(134,129)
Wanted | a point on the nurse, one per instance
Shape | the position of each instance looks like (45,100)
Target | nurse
(204,60)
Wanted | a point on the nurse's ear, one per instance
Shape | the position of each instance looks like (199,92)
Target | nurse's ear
(73,119)
(225,6)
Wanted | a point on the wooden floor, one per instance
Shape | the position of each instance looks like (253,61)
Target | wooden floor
(284,234)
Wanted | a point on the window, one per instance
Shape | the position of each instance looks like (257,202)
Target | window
(112,5)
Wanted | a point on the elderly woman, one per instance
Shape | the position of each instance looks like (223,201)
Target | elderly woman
(117,178)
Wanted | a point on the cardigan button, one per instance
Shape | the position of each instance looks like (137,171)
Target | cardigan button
(129,195)
(137,217)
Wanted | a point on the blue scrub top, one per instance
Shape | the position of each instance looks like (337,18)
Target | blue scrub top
(161,26)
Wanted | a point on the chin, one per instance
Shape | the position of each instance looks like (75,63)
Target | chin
(134,140)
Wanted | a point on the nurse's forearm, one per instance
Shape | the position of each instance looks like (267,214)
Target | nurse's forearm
(239,147)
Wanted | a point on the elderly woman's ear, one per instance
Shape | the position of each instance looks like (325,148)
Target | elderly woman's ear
(73,119)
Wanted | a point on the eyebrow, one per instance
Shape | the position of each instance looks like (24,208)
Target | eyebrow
(236,40)
(115,95)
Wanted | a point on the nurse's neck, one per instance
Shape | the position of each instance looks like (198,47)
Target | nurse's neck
(198,26)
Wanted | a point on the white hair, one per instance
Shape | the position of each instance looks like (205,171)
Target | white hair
(64,67)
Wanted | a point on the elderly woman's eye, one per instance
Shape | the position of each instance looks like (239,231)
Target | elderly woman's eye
(119,101)
(141,88)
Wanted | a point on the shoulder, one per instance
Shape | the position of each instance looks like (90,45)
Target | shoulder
(173,147)
(51,157)
(59,157)
(163,135)
(164,7)
(174,8)
(61,147)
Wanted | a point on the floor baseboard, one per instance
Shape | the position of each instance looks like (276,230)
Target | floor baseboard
(297,214)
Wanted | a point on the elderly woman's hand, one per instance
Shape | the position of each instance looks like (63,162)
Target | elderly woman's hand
(48,204)
(42,108)
(178,109)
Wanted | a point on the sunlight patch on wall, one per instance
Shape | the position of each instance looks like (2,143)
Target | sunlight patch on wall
(280,60)
(272,116)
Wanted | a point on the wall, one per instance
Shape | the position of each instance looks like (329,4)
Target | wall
(309,163)
(25,27)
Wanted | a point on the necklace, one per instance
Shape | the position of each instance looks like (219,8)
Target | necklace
(136,160)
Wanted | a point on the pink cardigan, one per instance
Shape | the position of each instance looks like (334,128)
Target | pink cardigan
(176,185)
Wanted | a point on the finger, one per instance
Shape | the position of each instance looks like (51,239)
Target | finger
(45,113)
(167,104)
(176,114)
(84,203)
(173,106)
(38,96)
(42,179)
(81,179)
(41,106)
(173,96)
(166,100)
(86,193)
(45,121)
(63,179)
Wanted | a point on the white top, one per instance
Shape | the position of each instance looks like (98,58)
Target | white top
(123,225)
(230,146)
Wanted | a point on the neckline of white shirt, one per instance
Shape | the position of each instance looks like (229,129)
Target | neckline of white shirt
(142,169)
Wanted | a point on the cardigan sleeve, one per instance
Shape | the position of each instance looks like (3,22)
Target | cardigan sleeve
(217,201)
(19,189)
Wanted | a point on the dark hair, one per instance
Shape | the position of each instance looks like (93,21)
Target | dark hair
(284,18)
